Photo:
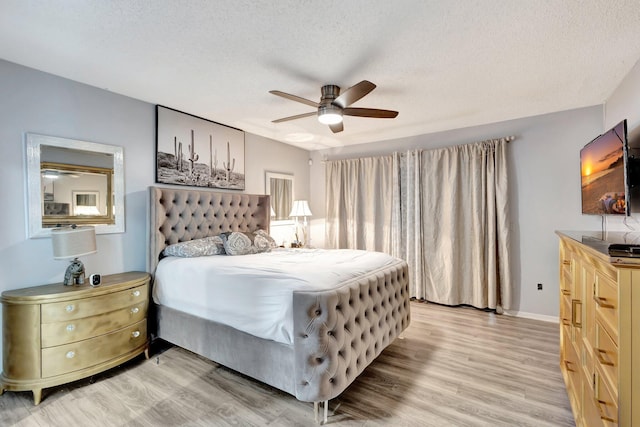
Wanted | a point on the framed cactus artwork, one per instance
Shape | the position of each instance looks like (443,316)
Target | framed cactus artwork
(197,152)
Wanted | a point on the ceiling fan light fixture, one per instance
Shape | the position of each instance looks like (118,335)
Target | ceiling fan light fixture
(329,114)
(330,118)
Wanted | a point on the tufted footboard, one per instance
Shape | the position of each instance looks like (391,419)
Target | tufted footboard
(338,333)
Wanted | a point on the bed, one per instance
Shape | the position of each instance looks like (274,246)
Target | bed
(336,332)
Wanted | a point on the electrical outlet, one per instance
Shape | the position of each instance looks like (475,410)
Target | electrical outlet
(539,286)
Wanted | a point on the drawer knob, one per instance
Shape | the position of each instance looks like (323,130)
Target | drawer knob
(134,310)
(602,302)
(603,357)
(71,327)
(69,308)
(603,416)
(70,354)
(136,293)
(135,334)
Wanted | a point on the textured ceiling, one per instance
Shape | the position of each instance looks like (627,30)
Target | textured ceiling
(443,64)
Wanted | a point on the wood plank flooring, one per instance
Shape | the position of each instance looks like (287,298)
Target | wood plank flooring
(454,367)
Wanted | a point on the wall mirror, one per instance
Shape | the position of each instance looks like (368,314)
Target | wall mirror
(280,187)
(73,182)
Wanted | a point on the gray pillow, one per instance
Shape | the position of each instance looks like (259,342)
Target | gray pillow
(263,241)
(200,247)
(238,243)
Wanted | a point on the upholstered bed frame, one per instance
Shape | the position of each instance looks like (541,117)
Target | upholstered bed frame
(337,333)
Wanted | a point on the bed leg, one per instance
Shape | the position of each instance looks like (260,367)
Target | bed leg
(316,412)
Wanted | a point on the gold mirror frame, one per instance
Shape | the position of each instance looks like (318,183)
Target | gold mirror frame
(36,226)
(72,218)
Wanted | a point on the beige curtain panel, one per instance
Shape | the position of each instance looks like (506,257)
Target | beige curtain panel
(444,211)
(359,208)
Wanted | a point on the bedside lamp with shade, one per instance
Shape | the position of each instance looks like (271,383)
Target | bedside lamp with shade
(70,243)
(300,209)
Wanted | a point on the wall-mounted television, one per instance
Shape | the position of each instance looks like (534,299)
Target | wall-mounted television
(605,167)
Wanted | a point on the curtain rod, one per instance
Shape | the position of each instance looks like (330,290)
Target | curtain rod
(508,138)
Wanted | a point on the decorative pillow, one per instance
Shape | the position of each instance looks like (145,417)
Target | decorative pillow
(263,241)
(199,247)
(238,243)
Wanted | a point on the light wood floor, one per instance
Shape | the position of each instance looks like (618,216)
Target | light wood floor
(454,367)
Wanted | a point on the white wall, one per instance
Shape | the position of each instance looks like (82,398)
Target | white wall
(37,102)
(544,191)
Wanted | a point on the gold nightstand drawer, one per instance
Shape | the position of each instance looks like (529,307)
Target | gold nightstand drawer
(87,307)
(72,357)
(59,333)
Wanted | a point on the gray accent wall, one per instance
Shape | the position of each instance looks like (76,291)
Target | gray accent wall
(33,101)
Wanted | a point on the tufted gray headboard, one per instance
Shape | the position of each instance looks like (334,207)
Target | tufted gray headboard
(180,215)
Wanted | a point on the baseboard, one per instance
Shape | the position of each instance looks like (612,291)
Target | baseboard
(524,314)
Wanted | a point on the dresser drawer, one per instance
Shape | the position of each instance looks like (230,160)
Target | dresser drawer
(605,402)
(606,297)
(73,357)
(87,307)
(606,354)
(59,333)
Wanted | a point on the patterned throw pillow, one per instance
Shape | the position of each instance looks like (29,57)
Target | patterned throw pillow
(238,243)
(199,247)
(263,241)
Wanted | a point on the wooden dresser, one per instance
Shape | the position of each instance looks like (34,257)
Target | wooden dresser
(55,334)
(599,331)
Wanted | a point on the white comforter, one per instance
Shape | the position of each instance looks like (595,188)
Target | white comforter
(253,293)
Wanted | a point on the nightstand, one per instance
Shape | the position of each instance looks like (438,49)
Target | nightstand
(55,334)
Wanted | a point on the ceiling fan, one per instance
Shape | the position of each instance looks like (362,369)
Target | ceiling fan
(333,105)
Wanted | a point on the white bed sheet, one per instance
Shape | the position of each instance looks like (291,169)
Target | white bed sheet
(254,293)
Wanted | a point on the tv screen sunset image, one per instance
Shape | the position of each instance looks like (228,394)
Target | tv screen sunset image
(603,177)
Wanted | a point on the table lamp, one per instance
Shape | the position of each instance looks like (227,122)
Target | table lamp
(70,243)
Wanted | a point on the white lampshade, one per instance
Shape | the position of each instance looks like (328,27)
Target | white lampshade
(72,242)
(300,208)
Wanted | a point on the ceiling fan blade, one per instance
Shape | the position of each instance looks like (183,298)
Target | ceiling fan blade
(370,112)
(338,127)
(298,116)
(354,93)
(295,98)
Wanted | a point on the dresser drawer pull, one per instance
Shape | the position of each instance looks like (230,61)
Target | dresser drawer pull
(566,262)
(566,322)
(135,293)
(567,367)
(135,334)
(600,404)
(603,358)
(574,311)
(71,327)
(566,292)
(134,310)
(69,308)
(70,354)
(602,302)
